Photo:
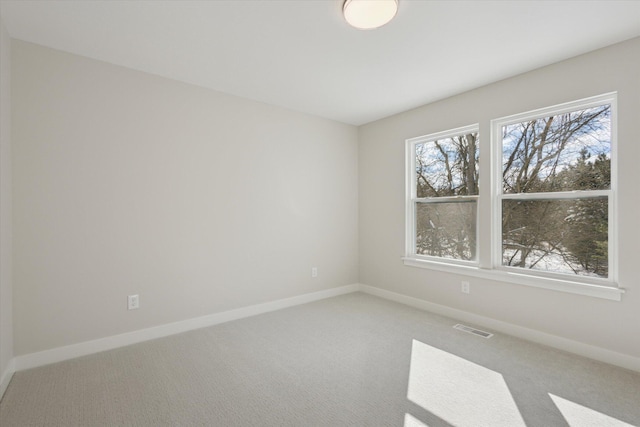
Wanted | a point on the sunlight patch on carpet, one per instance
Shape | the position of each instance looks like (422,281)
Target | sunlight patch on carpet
(577,415)
(411,421)
(460,392)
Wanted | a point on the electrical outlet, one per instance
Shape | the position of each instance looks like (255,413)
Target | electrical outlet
(314,271)
(465,287)
(133,302)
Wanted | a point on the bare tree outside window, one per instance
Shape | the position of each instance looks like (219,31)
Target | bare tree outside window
(547,210)
(446,196)
(545,161)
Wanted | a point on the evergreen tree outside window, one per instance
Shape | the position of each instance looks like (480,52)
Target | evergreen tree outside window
(556,193)
(546,209)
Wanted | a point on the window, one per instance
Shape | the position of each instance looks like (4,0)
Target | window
(556,190)
(549,204)
(443,195)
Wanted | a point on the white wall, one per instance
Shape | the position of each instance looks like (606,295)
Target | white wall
(6,312)
(602,323)
(200,202)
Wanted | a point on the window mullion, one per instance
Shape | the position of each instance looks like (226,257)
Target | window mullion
(452,199)
(559,195)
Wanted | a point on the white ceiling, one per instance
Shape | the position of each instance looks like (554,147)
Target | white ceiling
(300,54)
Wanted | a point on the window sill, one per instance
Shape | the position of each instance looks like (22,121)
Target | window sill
(597,291)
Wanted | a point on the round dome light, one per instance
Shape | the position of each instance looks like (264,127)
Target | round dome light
(369,14)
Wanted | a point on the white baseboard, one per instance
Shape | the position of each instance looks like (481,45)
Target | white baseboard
(59,354)
(6,376)
(581,349)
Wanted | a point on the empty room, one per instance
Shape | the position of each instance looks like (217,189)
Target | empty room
(319,213)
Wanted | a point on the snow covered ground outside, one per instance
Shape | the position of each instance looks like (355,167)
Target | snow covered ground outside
(552,262)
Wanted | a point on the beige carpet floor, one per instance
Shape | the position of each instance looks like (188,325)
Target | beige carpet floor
(353,360)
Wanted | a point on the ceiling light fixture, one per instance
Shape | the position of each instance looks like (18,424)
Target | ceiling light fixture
(369,14)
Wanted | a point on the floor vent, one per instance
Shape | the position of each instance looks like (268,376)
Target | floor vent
(474,331)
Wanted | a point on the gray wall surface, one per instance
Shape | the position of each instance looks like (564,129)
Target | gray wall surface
(6,285)
(200,202)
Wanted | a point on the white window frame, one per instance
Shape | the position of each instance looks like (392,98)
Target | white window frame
(499,196)
(489,265)
(413,200)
